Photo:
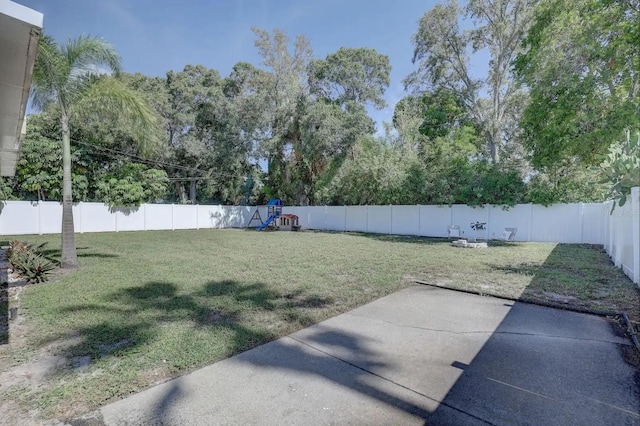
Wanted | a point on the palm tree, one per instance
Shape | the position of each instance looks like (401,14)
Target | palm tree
(73,80)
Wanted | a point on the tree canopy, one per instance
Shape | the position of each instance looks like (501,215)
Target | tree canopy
(561,85)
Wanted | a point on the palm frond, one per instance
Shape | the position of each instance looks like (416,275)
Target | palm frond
(107,99)
(46,73)
(91,55)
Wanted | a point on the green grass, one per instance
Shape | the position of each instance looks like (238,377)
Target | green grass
(146,306)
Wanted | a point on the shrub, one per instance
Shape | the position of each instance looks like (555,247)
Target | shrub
(29,263)
(15,248)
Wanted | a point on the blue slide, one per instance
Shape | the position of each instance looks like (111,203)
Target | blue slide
(267,222)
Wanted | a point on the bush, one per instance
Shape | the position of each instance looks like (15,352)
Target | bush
(29,263)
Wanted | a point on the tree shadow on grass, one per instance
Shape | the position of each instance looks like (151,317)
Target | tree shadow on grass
(4,313)
(135,315)
(408,239)
(411,239)
(576,276)
(56,254)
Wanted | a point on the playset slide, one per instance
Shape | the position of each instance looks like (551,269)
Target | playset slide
(267,222)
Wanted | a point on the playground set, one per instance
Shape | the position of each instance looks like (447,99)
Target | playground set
(276,219)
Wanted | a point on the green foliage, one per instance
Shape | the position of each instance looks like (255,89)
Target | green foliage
(28,262)
(16,247)
(456,140)
(351,75)
(581,65)
(39,169)
(621,167)
(442,52)
(441,111)
(372,174)
(569,183)
(377,171)
(6,188)
(67,84)
(131,186)
(33,267)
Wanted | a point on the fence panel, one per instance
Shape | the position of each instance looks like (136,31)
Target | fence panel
(51,218)
(623,235)
(336,218)
(158,216)
(405,220)
(316,217)
(518,216)
(356,218)
(379,219)
(94,217)
(130,219)
(238,216)
(464,216)
(184,216)
(434,221)
(557,223)
(19,217)
(593,222)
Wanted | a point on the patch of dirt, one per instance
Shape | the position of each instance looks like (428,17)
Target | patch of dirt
(155,376)
(12,414)
(559,298)
(23,372)
(32,373)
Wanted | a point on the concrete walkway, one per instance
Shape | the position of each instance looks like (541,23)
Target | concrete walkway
(420,356)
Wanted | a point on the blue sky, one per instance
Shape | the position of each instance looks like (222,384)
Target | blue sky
(155,36)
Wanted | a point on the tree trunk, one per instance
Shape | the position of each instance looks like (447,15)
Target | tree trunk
(69,257)
(494,148)
(182,194)
(192,191)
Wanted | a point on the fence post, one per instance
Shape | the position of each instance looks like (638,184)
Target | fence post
(451,214)
(530,222)
(173,228)
(635,234)
(390,219)
(366,228)
(115,213)
(39,217)
(79,216)
(489,207)
(325,219)
(197,222)
(144,217)
(581,221)
(345,218)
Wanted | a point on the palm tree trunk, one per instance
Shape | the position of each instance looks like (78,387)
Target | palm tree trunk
(69,257)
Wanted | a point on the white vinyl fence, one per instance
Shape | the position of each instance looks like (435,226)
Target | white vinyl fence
(622,235)
(588,223)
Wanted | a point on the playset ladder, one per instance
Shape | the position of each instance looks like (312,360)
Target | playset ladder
(256,216)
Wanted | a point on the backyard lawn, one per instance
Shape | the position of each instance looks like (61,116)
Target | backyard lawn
(147,306)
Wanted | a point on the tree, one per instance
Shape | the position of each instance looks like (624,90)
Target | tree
(442,51)
(130,185)
(582,66)
(357,75)
(68,76)
(39,170)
